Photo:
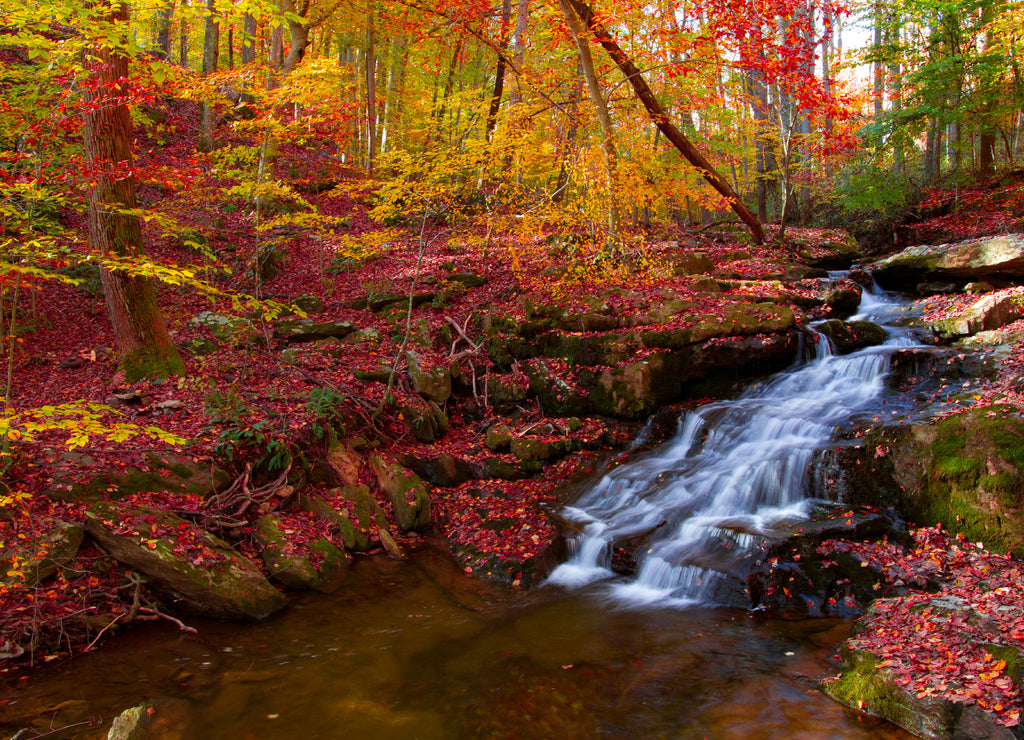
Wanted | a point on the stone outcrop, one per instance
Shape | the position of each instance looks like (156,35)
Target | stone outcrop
(990,258)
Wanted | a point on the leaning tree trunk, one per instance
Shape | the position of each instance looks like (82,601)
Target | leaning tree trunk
(660,118)
(144,346)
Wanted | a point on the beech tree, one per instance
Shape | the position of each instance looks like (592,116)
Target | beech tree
(144,346)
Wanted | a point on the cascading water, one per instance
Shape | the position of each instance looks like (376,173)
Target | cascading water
(692,511)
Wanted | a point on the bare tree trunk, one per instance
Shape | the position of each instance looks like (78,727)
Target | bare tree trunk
(211,51)
(371,91)
(144,346)
(658,115)
(249,39)
(164,15)
(578,27)
(183,40)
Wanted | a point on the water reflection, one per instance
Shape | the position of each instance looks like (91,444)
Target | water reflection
(418,650)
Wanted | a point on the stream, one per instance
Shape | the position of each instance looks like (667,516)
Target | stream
(418,649)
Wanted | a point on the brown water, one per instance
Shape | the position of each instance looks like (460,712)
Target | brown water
(419,650)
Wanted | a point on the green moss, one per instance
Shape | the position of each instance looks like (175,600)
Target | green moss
(148,362)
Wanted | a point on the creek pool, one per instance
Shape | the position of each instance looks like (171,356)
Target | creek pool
(417,649)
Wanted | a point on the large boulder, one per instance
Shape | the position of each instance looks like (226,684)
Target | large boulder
(197,570)
(997,257)
(965,472)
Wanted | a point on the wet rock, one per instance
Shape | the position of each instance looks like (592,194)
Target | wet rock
(794,577)
(609,348)
(198,570)
(131,724)
(318,565)
(995,257)
(295,331)
(868,686)
(850,336)
(844,300)
(407,492)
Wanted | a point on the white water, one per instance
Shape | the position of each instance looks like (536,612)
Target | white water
(694,509)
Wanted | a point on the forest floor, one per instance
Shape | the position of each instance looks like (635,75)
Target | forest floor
(64,339)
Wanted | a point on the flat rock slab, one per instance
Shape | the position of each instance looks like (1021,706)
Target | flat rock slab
(975,259)
(199,570)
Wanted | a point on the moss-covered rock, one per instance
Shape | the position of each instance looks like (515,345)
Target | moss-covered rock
(228,330)
(868,685)
(304,330)
(163,472)
(967,472)
(850,336)
(558,394)
(197,570)
(692,263)
(432,382)
(53,545)
(425,420)
(407,493)
(353,510)
(318,565)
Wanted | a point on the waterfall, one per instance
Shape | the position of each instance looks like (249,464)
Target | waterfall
(692,512)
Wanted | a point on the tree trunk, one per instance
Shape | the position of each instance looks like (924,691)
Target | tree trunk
(660,118)
(499,71)
(144,346)
(211,52)
(249,39)
(371,91)
(578,27)
(164,14)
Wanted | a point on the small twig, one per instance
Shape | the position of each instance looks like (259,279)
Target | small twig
(159,614)
(110,624)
